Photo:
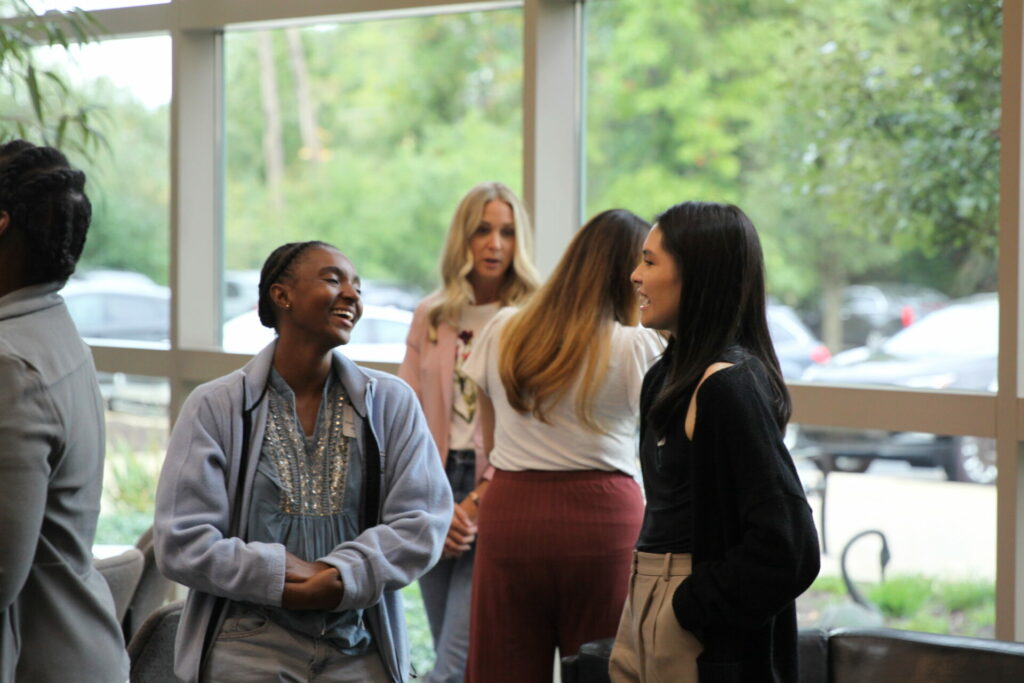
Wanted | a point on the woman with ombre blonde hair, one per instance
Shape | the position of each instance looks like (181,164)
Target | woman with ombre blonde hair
(484,267)
(559,388)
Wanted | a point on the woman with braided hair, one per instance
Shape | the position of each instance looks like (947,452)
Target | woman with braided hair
(299,494)
(57,619)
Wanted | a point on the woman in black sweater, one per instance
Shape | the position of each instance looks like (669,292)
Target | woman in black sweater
(728,540)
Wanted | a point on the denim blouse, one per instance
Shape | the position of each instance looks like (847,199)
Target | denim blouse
(307,495)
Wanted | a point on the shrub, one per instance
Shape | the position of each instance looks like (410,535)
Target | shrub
(901,596)
(966,595)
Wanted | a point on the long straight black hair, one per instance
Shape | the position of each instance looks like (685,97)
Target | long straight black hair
(722,304)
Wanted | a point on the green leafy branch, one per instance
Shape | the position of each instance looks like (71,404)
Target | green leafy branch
(42,106)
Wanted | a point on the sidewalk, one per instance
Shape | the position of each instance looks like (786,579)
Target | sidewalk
(934,527)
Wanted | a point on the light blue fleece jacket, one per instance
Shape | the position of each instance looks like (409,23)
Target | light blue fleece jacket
(195,499)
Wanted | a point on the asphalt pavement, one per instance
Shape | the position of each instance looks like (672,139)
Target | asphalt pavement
(934,527)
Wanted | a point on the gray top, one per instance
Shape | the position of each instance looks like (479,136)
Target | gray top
(307,496)
(57,618)
(197,490)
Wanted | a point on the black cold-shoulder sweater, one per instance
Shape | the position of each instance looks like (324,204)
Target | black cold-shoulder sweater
(754,544)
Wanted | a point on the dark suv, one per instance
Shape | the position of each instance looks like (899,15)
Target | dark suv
(953,348)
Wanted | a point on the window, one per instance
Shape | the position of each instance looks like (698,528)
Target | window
(861,138)
(125,262)
(895,486)
(365,136)
(137,429)
(863,141)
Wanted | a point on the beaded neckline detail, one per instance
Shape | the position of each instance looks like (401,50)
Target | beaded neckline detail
(312,472)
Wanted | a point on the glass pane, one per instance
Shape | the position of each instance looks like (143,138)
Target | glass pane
(119,290)
(897,486)
(365,148)
(861,138)
(137,430)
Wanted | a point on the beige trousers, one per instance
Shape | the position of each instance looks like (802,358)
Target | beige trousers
(651,646)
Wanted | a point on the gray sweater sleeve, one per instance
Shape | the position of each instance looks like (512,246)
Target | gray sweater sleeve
(416,504)
(26,434)
(193,510)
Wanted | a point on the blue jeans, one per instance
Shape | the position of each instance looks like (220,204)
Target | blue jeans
(446,588)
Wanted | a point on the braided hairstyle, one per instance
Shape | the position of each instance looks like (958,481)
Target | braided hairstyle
(45,199)
(277,267)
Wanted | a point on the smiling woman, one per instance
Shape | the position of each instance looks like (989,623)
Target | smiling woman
(310,293)
(311,534)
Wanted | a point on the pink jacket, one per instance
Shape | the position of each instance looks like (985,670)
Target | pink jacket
(428,367)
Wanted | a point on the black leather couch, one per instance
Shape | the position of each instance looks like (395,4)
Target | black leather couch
(877,655)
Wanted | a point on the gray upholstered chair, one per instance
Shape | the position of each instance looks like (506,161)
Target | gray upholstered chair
(151,650)
(122,573)
(154,590)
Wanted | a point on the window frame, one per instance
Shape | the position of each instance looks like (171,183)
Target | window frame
(552,178)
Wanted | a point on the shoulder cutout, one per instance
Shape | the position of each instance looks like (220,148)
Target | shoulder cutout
(691,412)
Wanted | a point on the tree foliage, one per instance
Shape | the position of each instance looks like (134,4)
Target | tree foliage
(39,104)
(861,135)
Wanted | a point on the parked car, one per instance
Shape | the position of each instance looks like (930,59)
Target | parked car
(871,313)
(241,292)
(952,348)
(119,305)
(379,336)
(795,345)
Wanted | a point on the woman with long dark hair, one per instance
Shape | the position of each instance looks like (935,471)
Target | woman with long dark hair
(299,494)
(728,541)
(559,383)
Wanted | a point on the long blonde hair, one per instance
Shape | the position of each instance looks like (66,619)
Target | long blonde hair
(565,328)
(521,279)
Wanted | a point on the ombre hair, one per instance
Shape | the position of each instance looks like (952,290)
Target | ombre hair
(563,334)
(456,291)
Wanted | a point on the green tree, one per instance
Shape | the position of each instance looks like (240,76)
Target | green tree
(860,135)
(888,137)
(410,114)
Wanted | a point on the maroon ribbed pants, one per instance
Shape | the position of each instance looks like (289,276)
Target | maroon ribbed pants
(552,569)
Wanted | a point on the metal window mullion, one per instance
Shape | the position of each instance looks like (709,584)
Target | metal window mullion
(196,198)
(1010,485)
(551,125)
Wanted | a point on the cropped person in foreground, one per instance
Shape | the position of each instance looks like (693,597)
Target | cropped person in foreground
(57,620)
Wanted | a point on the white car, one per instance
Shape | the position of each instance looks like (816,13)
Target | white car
(379,336)
(119,305)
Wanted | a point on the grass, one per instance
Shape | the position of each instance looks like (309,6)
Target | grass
(421,645)
(913,602)
(129,492)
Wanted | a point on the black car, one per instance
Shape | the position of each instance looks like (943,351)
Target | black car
(952,348)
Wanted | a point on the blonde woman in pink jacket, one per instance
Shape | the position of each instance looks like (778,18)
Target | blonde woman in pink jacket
(484,267)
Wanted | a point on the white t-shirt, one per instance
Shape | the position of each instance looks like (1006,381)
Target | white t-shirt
(522,442)
(464,406)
